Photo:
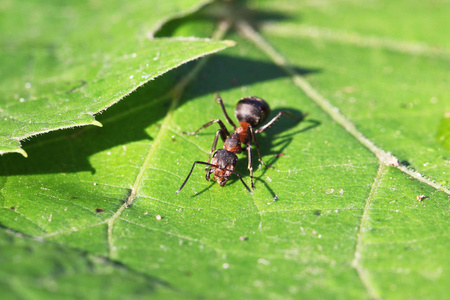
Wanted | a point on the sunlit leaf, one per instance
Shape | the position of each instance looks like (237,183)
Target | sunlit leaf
(355,207)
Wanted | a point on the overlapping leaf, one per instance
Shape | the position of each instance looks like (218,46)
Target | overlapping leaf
(62,63)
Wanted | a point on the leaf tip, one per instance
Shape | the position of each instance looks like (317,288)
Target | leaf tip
(23,152)
(230,43)
(97,123)
(17,150)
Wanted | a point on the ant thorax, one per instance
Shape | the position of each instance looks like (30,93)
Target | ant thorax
(242,131)
(233,143)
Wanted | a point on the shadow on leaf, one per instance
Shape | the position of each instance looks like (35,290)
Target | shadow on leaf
(68,151)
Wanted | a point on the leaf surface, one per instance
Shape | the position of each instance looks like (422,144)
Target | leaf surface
(355,208)
(32,269)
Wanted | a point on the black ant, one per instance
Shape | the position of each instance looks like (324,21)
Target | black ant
(250,112)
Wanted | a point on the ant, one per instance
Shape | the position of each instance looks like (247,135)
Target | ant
(250,112)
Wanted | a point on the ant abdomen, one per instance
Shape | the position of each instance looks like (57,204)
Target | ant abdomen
(252,110)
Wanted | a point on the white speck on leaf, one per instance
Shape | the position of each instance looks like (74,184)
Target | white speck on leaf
(258,283)
(263,261)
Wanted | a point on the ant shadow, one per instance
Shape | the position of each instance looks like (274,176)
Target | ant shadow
(268,145)
(274,138)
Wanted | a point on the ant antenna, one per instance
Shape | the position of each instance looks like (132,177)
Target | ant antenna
(213,165)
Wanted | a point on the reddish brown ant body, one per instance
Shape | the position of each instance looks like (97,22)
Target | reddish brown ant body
(250,112)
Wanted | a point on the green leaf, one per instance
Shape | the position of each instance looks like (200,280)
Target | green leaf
(64,63)
(32,269)
(355,208)
(443,133)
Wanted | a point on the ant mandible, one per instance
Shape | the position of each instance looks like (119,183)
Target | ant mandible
(250,112)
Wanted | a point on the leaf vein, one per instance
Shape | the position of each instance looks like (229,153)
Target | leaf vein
(375,42)
(384,157)
(176,93)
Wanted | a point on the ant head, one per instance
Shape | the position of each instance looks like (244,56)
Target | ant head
(252,110)
(224,160)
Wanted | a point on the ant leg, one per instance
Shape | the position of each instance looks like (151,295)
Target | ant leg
(219,99)
(207,168)
(252,133)
(238,175)
(261,129)
(223,134)
(250,167)
(190,172)
(235,173)
(212,165)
